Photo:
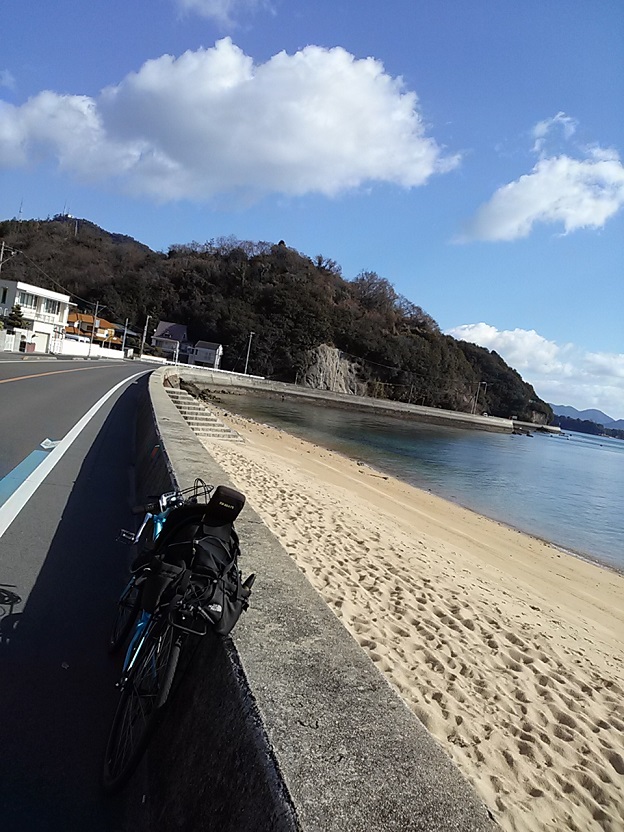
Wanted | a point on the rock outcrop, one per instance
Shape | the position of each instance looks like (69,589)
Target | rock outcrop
(326,368)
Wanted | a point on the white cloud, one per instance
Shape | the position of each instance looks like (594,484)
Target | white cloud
(562,190)
(560,374)
(212,122)
(576,194)
(224,12)
(7,79)
(543,128)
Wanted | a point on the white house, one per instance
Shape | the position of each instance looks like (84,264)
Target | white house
(45,315)
(206,354)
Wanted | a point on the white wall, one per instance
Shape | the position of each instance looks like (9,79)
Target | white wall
(83,350)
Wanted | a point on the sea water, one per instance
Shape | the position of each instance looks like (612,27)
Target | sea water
(567,489)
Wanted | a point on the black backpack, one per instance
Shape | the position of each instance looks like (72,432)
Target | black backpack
(215,573)
(202,538)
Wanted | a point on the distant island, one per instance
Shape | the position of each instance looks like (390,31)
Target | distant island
(593,422)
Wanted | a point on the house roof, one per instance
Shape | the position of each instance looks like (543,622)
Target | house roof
(120,328)
(42,293)
(109,339)
(166,329)
(87,318)
(206,345)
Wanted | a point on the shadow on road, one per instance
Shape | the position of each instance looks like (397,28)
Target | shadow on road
(57,693)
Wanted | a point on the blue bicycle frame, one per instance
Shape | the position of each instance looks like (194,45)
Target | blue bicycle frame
(158,521)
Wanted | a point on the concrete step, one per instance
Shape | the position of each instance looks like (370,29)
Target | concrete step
(207,423)
(198,414)
(200,419)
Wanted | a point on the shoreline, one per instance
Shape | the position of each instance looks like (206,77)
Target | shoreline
(569,552)
(604,561)
(586,557)
(508,649)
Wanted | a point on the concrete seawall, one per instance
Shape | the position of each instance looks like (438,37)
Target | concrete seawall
(288,725)
(215,380)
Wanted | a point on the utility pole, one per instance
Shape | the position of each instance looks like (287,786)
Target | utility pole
(97,303)
(144,335)
(123,340)
(251,335)
(11,253)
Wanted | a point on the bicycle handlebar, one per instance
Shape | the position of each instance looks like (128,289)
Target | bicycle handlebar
(172,499)
(148,508)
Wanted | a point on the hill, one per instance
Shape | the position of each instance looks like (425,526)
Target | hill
(226,288)
(588,415)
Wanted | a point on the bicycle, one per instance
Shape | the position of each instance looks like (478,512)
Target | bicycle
(154,515)
(190,584)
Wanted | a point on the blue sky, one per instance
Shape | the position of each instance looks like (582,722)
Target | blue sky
(468,151)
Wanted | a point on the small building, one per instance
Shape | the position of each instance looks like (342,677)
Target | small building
(172,339)
(45,316)
(206,354)
(82,325)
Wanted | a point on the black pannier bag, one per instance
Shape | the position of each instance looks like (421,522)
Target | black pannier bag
(202,538)
(185,523)
(215,566)
(215,563)
(159,582)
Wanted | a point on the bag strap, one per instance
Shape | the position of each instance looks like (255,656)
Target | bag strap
(227,549)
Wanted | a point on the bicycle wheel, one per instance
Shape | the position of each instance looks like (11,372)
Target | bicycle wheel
(127,610)
(142,697)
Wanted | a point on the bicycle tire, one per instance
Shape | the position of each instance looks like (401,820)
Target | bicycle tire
(169,674)
(125,616)
(140,704)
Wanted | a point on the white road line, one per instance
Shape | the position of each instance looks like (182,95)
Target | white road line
(19,498)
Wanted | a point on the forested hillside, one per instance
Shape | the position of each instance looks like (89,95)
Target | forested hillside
(586,426)
(226,288)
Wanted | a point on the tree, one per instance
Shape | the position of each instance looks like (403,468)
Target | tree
(225,288)
(15,318)
(374,293)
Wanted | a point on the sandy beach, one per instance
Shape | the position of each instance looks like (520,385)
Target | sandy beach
(508,650)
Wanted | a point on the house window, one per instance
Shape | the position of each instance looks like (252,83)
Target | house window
(3,294)
(26,300)
(51,307)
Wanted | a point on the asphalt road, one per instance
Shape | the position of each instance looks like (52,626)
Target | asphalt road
(61,557)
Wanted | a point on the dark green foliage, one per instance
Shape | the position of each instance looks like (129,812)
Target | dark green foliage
(15,318)
(506,394)
(226,288)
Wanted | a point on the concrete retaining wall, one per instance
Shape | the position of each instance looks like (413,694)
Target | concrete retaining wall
(231,382)
(289,725)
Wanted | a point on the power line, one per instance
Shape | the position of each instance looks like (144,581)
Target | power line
(15,251)
(377,364)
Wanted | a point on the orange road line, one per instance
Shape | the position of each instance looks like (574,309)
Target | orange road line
(50,373)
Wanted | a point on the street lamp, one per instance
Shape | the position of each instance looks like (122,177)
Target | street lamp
(251,335)
(476,398)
